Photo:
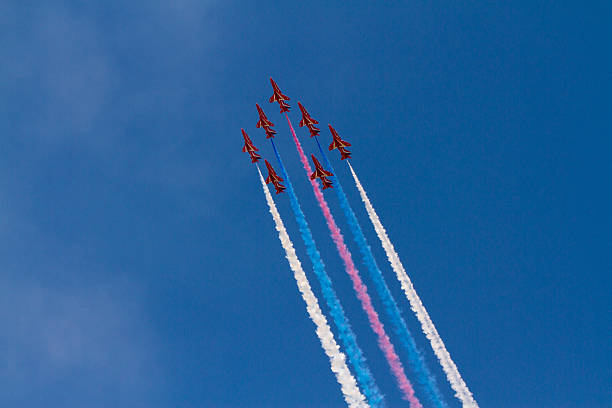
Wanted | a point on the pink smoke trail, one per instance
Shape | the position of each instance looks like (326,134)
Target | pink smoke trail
(362,292)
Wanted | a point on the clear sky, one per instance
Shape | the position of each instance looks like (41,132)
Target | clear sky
(139,265)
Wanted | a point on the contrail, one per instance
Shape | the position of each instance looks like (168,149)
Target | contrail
(346,334)
(426,379)
(383,340)
(348,384)
(450,369)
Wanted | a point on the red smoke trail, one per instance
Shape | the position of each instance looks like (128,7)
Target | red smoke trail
(362,293)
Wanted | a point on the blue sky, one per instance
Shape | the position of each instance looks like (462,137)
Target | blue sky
(140,267)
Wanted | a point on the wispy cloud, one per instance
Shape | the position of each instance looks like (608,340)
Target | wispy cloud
(113,83)
(73,72)
(53,333)
(72,330)
(96,80)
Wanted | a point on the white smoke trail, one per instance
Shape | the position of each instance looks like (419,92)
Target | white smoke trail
(450,369)
(348,384)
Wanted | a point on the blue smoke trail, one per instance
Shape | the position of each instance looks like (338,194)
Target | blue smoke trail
(346,334)
(424,376)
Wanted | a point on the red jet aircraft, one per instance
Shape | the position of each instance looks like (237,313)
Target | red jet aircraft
(274,179)
(339,144)
(272,176)
(265,123)
(308,121)
(320,173)
(263,119)
(249,147)
(279,97)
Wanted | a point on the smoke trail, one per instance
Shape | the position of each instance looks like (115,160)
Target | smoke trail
(426,379)
(362,294)
(348,384)
(347,337)
(450,369)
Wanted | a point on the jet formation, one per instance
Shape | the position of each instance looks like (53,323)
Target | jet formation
(348,383)
(308,121)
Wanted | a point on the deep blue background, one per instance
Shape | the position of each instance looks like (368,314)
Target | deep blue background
(139,266)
